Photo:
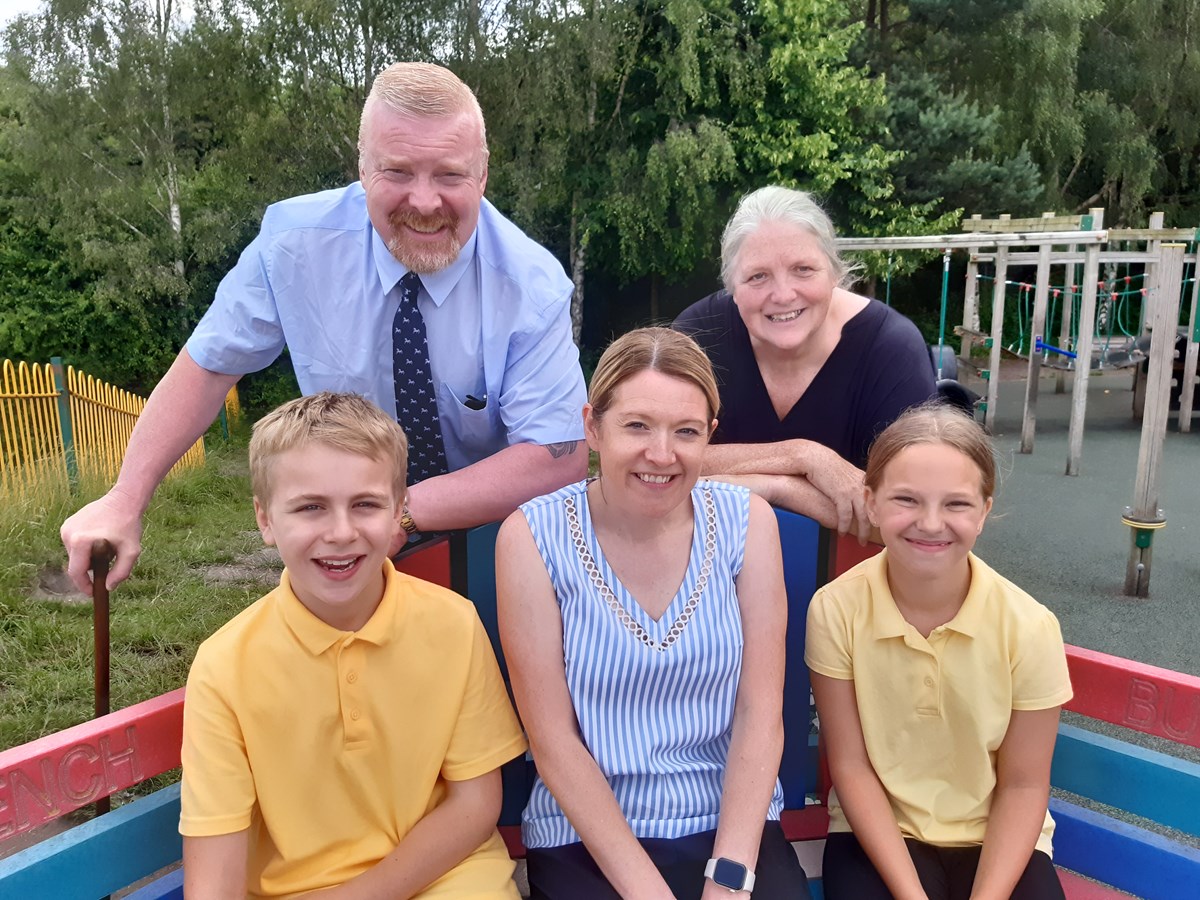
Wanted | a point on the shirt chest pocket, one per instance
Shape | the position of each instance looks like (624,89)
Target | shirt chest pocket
(470,421)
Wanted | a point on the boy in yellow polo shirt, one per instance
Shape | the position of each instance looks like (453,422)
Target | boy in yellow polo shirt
(344,733)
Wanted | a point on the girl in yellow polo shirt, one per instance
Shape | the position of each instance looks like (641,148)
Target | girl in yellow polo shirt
(938,684)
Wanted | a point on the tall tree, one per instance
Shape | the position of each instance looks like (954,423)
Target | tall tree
(1139,82)
(623,131)
(156,141)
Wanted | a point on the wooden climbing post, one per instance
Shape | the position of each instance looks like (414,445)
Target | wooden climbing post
(1083,348)
(1068,313)
(970,322)
(993,371)
(1145,517)
(1152,283)
(1037,330)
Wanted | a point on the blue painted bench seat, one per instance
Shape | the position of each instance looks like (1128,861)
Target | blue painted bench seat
(101,856)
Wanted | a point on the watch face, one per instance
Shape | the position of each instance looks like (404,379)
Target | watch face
(729,874)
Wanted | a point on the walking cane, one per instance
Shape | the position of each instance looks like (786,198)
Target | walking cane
(102,557)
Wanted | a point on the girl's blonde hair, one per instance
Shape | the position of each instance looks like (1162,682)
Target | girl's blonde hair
(934,422)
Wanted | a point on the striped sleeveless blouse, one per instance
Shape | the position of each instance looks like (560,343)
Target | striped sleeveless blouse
(654,700)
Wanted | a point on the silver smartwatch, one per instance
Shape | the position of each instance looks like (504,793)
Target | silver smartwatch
(732,876)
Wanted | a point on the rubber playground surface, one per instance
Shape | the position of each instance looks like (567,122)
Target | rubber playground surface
(1061,538)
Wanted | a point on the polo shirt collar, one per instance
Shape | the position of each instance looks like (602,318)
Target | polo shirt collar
(437,284)
(970,616)
(317,636)
(889,623)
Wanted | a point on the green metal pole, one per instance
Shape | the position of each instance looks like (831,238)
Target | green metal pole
(64,421)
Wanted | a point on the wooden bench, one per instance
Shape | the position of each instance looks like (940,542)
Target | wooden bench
(1161,789)
(48,778)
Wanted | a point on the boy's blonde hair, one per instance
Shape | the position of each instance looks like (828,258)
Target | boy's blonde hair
(343,421)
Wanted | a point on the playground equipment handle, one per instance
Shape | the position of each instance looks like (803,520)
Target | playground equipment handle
(1039,345)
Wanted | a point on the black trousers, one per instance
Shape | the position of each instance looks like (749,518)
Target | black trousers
(570,873)
(946,873)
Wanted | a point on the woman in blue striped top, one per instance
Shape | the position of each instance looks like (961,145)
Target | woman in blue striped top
(643,618)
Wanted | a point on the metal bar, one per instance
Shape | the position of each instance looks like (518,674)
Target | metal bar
(64,421)
(942,241)
(1040,345)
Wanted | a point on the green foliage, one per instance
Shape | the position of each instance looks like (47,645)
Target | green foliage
(664,206)
(139,147)
(622,133)
(1100,97)
(261,392)
(952,152)
(1139,83)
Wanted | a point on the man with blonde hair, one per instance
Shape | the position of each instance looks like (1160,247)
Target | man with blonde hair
(407,287)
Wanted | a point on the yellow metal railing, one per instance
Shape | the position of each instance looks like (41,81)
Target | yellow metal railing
(59,426)
(31,446)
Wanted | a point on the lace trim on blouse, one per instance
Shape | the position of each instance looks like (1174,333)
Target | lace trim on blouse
(622,614)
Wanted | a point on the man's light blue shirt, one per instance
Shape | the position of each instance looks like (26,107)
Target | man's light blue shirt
(319,279)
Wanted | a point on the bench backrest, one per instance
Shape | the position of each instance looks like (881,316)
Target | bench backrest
(72,768)
(64,771)
(1161,788)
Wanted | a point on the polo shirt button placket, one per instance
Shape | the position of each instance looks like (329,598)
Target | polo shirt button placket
(349,663)
(930,704)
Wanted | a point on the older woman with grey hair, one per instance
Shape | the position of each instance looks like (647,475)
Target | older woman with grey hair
(809,371)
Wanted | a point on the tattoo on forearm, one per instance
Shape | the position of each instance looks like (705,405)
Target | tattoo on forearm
(561,449)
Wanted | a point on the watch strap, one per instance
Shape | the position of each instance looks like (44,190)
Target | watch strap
(710,872)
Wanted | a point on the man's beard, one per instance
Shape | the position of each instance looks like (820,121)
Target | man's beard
(420,256)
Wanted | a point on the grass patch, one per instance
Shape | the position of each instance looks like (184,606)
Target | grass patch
(159,615)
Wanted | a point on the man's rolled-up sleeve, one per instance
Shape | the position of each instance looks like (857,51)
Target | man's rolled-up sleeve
(543,393)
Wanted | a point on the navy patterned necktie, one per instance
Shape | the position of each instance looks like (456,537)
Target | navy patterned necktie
(416,403)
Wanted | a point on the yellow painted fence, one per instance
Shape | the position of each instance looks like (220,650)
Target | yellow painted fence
(58,425)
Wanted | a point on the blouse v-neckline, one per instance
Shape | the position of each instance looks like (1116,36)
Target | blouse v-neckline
(660,633)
